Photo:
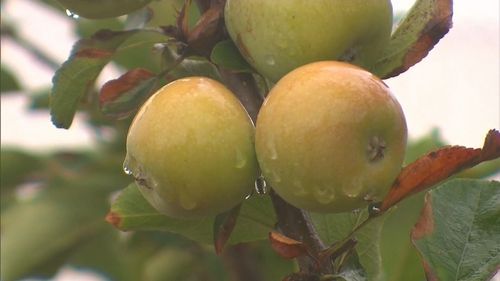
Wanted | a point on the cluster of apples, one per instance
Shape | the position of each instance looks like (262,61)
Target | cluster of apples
(329,137)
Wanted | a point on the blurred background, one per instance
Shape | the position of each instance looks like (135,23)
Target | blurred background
(453,95)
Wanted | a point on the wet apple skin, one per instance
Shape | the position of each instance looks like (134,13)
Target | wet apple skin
(278,36)
(314,131)
(193,144)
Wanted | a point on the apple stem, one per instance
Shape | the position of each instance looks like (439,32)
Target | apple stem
(292,222)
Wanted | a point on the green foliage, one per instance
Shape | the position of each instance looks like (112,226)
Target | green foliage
(8,81)
(458,234)
(131,211)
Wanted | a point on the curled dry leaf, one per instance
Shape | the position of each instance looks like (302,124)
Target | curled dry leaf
(439,165)
(223,227)
(121,96)
(425,24)
(287,247)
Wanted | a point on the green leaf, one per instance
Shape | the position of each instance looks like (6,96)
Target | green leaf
(16,165)
(131,211)
(77,75)
(45,229)
(422,28)
(335,227)
(225,54)
(399,258)
(458,233)
(8,81)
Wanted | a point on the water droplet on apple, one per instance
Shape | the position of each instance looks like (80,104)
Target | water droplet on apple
(324,194)
(72,14)
(353,189)
(261,185)
(186,201)
(270,60)
(126,169)
(241,160)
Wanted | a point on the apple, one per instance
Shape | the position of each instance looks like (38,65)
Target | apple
(278,36)
(100,9)
(191,149)
(330,137)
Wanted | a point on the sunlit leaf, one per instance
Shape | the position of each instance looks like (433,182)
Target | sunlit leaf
(458,233)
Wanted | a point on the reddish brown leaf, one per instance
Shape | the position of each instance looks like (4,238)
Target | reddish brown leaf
(223,227)
(207,32)
(438,166)
(114,219)
(287,247)
(93,53)
(114,88)
(425,224)
(435,30)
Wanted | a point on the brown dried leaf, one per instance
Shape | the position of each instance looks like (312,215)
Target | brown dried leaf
(287,247)
(223,227)
(112,89)
(425,24)
(439,165)
(207,32)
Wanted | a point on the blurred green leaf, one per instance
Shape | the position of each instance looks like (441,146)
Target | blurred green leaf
(164,12)
(16,167)
(225,54)
(131,211)
(399,258)
(419,147)
(8,82)
(422,28)
(335,227)
(85,28)
(458,233)
(40,100)
(77,75)
(48,227)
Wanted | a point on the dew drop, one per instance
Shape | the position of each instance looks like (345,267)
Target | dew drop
(72,14)
(261,185)
(270,60)
(126,169)
(353,189)
(241,160)
(249,196)
(323,194)
(374,209)
(186,201)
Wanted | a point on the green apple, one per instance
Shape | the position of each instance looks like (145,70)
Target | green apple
(100,9)
(191,149)
(330,137)
(278,36)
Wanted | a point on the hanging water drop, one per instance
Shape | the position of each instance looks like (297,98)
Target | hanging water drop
(260,185)
(126,169)
(72,14)
(270,60)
